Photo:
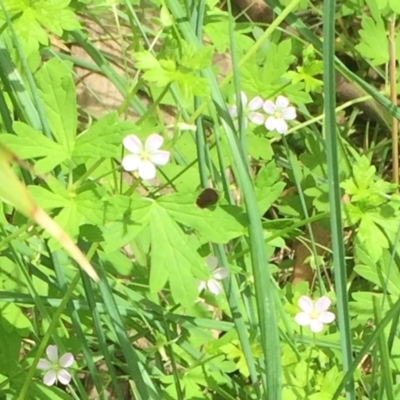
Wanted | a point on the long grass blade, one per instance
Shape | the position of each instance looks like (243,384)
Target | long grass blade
(332,146)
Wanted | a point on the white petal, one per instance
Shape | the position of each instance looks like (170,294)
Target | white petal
(302,319)
(256,118)
(153,142)
(233,111)
(50,378)
(64,377)
(131,162)
(271,123)
(255,103)
(282,102)
(289,113)
(147,170)
(281,126)
(316,326)
(326,317)
(66,360)
(269,107)
(44,364)
(159,157)
(212,262)
(214,287)
(243,97)
(306,304)
(322,304)
(201,285)
(52,353)
(220,273)
(133,144)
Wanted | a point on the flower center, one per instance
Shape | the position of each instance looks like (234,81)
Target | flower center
(314,314)
(278,114)
(145,155)
(56,366)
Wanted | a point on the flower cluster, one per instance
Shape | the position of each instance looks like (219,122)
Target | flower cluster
(314,314)
(143,159)
(277,113)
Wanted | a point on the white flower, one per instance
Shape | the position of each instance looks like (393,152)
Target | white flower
(314,314)
(279,113)
(55,366)
(249,109)
(144,159)
(217,274)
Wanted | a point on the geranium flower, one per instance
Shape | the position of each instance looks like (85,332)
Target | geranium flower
(279,113)
(144,159)
(314,314)
(249,109)
(217,274)
(56,367)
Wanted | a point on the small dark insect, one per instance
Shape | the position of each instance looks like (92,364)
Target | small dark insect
(207,198)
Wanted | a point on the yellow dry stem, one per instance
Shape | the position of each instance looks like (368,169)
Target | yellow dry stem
(47,223)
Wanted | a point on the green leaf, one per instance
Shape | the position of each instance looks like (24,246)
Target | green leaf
(29,32)
(47,199)
(173,259)
(266,80)
(219,224)
(362,305)
(306,73)
(373,43)
(145,60)
(194,59)
(366,191)
(187,179)
(14,320)
(103,138)
(372,237)
(70,220)
(218,33)
(29,143)
(10,345)
(118,262)
(54,16)
(191,84)
(267,186)
(378,272)
(90,203)
(76,209)
(395,6)
(159,72)
(259,147)
(58,93)
(127,218)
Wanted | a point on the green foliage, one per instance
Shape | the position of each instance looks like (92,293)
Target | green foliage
(370,209)
(163,72)
(373,37)
(388,6)
(307,72)
(34,17)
